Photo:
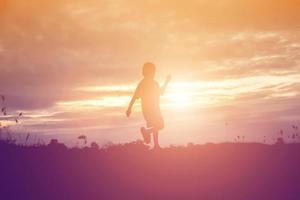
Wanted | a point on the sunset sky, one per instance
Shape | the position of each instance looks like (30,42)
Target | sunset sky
(71,65)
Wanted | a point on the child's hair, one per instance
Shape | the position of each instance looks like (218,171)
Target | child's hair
(148,69)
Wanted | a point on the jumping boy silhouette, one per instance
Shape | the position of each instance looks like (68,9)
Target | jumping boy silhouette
(149,92)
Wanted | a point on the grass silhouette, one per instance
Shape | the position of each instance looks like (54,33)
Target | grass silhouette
(132,171)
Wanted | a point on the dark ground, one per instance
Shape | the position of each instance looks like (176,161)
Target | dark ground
(131,171)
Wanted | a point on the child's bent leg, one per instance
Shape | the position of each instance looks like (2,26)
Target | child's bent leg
(146,134)
(148,130)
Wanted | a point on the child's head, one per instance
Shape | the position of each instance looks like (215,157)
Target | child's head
(149,70)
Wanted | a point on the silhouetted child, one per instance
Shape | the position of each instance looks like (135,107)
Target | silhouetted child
(149,92)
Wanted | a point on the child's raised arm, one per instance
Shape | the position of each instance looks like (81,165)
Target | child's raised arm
(163,88)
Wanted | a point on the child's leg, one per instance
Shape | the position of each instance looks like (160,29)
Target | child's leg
(155,138)
(146,134)
(148,130)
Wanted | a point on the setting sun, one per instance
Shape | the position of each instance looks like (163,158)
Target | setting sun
(177,98)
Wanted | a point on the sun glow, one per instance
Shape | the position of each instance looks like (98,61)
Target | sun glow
(184,96)
(178,99)
(180,96)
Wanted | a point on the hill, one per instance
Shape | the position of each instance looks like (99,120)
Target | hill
(132,171)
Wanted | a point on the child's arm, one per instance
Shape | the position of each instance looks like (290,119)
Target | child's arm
(134,97)
(163,88)
(128,112)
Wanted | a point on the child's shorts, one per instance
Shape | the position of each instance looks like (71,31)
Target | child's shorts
(154,120)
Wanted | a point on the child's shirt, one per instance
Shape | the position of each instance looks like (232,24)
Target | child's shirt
(149,92)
